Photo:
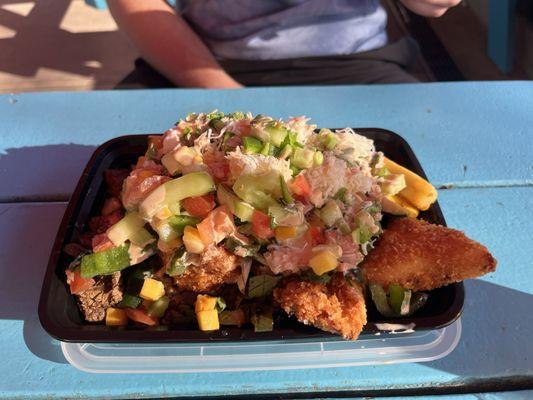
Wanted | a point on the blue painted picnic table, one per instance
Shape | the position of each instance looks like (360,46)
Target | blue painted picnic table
(475,139)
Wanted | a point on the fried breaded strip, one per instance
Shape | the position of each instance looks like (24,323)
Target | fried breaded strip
(337,307)
(418,255)
(215,267)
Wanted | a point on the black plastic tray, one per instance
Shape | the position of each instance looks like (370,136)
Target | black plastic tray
(61,318)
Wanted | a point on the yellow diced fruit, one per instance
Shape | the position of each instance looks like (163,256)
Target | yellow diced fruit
(324,261)
(419,192)
(115,317)
(164,213)
(192,241)
(285,232)
(152,289)
(408,208)
(205,303)
(208,320)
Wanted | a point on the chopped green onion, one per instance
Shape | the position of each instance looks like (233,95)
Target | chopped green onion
(266,149)
(318,159)
(341,194)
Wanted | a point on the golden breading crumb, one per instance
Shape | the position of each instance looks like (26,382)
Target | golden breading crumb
(216,266)
(337,307)
(418,255)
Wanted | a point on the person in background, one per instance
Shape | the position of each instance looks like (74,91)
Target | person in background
(236,43)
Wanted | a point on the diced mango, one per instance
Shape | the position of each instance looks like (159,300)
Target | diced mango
(208,320)
(285,232)
(152,289)
(164,213)
(419,192)
(410,211)
(115,317)
(324,261)
(192,241)
(205,303)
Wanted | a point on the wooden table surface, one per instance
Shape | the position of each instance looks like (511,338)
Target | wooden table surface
(476,139)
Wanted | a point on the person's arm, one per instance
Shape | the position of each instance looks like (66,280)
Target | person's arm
(167,42)
(429,8)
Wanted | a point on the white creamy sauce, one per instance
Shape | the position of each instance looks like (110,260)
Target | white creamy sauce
(396,328)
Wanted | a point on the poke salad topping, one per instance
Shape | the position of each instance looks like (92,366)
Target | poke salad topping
(226,217)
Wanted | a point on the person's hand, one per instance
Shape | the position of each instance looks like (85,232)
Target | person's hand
(429,8)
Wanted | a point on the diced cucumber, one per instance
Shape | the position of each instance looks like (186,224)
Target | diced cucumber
(105,262)
(277,134)
(262,321)
(252,145)
(236,317)
(281,216)
(226,197)
(142,238)
(295,170)
(318,159)
(265,150)
(172,192)
(331,141)
(243,211)
(330,213)
(396,295)
(125,228)
(341,194)
(157,308)
(285,193)
(179,222)
(178,266)
(303,157)
(361,235)
(343,226)
(259,133)
(240,248)
(285,152)
(129,301)
(260,191)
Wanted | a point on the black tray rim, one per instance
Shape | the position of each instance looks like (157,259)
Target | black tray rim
(150,335)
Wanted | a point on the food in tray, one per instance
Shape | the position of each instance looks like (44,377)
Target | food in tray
(236,220)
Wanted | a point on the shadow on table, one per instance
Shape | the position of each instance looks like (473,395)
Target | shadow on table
(28,230)
(42,172)
(496,338)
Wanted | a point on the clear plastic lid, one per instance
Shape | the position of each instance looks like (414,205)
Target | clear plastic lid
(387,348)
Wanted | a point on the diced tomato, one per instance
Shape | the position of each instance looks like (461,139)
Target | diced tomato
(300,186)
(261,225)
(77,283)
(138,315)
(217,226)
(219,170)
(102,223)
(111,205)
(199,206)
(101,242)
(114,179)
(316,235)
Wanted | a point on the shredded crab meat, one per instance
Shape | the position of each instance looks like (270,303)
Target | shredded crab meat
(256,164)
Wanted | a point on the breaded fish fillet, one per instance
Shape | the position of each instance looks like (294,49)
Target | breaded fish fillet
(216,266)
(337,307)
(421,256)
